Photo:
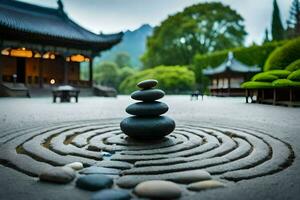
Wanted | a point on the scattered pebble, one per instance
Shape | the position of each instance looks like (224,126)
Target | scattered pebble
(157,189)
(58,175)
(94,182)
(75,165)
(204,185)
(100,170)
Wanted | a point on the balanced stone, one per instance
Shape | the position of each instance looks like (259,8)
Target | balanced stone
(147,108)
(112,194)
(94,182)
(204,185)
(147,128)
(58,175)
(157,189)
(148,95)
(100,170)
(147,84)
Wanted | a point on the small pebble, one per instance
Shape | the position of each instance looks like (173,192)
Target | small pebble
(157,189)
(204,185)
(94,182)
(75,165)
(58,175)
(112,194)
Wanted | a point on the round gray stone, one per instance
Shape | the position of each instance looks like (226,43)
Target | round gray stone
(58,175)
(75,165)
(148,95)
(147,108)
(204,185)
(112,194)
(100,170)
(157,189)
(147,84)
(147,128)
(94,182)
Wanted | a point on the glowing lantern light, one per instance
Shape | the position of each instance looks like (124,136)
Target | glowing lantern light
(37,55)
(52,56)
(87,60)
(21,53)
(77,58)
(5,52)
(52,81)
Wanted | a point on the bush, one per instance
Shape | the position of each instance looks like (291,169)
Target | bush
(264,77)
(172,79)
(282,83)
(279,73)
(293,66)
(281,57)
(256,85)
(106,74)
(295,76)
(245,55)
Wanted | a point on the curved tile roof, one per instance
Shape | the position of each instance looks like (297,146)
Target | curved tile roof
(231,64)
(52,22)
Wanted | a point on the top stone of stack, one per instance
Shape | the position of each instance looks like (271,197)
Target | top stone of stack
(147,84)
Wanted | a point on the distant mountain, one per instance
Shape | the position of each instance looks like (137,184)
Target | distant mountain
(133,43)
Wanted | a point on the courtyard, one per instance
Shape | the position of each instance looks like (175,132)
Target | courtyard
(19,115)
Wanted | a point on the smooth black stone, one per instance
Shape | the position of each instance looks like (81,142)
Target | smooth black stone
(147,84)
(94,182)
(147,128)
(111,195)
(148,95)
(147,108)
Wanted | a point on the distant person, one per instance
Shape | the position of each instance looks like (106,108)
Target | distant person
(195,94)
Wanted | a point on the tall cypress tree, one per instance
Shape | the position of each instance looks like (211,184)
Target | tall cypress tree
(266,39)
(294,19)
(277,27)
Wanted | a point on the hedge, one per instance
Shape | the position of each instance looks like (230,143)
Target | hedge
(264,77)
(293,66)
(294,76)
(172,79)
(253,55)
(256,85)
(281,57)
(279,73)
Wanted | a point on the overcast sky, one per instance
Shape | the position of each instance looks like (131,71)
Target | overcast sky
(120,15)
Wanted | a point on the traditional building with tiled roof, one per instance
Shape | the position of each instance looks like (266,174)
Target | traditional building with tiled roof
(40,45)
(226,79)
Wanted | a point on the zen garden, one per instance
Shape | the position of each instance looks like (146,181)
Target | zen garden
(149,99)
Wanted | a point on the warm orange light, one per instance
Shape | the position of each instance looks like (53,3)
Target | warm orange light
(5,52)
(52,81)
(77,58)
(46,55)
(52,56)
(37,55)
(21,53)
(68,59)
(87,60)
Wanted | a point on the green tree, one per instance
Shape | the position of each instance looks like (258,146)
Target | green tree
(200,28)
(123,60)
(277,27)
(125,72)
(294,19)
(266,39)
(107,74)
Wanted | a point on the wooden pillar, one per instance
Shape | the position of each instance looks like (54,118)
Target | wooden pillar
(274,96)
(41,74)
(229,86)
(247,95)
(91,72)
(66,71)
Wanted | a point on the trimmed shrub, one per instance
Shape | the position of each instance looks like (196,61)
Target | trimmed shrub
(279,73)
(281,57)
(294,76)
(282,83)
(293,66)
(256,85)
(172,79)
(264,77)
(245,55)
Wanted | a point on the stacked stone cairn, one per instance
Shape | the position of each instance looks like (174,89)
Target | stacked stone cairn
(147,122)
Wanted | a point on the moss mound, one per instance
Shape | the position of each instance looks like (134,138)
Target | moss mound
(282,56)
(264,77)
(256,85)
(293,66)
(294,76)
(279,73)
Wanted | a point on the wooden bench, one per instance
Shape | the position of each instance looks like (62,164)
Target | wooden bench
(65,93)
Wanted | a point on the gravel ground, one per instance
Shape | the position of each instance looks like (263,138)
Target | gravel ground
(281,122)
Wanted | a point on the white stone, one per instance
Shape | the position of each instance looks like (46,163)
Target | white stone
(75,165)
